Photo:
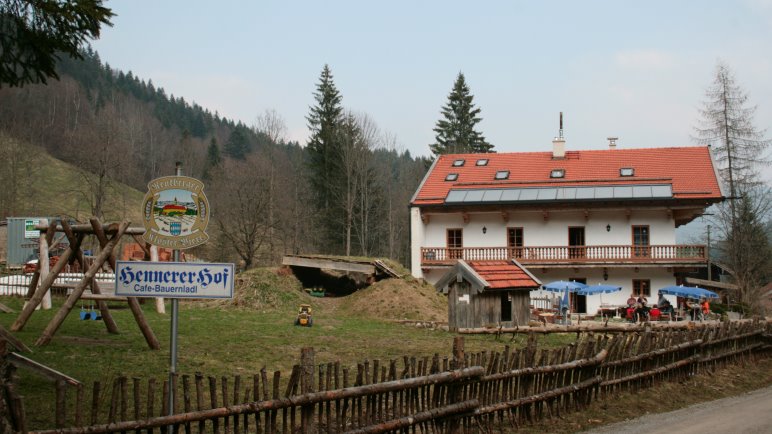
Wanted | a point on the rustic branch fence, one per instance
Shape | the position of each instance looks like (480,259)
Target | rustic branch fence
(459,393)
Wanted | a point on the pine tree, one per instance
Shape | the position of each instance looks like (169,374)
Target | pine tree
(213,159)
(727,125)
(237,146)
(456,130)
(323,150)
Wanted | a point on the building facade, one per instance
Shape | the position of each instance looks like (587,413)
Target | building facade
(596,216)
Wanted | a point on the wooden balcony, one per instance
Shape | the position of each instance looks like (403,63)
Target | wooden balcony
(565,255)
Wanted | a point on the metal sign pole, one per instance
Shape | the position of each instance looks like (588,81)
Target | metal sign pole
(173,333)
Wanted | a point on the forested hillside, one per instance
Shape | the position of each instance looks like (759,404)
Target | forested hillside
(120,128)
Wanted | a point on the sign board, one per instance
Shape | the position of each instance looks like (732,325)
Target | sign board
(29,228)
(175,212)
(174,279)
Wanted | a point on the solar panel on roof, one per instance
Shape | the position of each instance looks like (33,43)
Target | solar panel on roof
(560,193)
(546,193)
(492,195)
(585,193)
(529,194)
(568,193)
(510,195)
(455,196)
(604,192)
(474,196)
(623,192)
(661,191)
(641,191)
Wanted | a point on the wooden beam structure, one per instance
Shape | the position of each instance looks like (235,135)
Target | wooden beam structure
(712,283)
(23,362)
(75,235)
(328,264)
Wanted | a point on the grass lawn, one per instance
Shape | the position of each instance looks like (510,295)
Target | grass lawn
(256,330)
(218,341)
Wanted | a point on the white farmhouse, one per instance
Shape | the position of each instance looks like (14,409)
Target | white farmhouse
(596,216)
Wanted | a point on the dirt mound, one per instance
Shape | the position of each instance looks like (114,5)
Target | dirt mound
(388,299)
(398,299)
(264,288)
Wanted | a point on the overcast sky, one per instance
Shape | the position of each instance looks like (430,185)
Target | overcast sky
(636,70)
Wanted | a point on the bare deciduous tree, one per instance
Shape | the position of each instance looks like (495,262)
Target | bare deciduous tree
(727,125)
(239,210)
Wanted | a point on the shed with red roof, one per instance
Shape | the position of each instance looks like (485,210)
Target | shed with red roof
(483,293)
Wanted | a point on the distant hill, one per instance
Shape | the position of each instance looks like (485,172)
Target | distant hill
(57,188)
(125,131)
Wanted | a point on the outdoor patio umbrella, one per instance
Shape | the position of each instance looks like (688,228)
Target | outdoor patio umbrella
(692,292)
(562,285)
(599,289)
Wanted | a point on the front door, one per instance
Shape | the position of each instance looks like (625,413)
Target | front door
(515,242)
(576,242)
(579,302)
(455,239)
(641,241)
(506,307)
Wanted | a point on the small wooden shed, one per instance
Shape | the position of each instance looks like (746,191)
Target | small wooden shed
(487,293)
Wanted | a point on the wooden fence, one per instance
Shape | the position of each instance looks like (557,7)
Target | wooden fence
(461,392)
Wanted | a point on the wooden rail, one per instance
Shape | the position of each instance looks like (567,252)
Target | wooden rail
(568,254)
(470,392)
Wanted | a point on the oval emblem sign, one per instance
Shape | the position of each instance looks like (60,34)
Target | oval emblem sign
(175,212)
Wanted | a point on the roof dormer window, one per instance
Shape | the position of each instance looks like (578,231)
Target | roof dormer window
(626,171)
(458,163)
(558,173)
(482,162)
(451,177)
(502,174)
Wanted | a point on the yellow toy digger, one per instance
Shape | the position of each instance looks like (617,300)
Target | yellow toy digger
(304,316)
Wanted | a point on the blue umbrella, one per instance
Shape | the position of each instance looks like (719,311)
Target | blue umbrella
(692,292)
(598,289)
(562,285)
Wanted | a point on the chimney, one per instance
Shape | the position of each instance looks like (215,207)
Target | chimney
(612,142)
(559,143)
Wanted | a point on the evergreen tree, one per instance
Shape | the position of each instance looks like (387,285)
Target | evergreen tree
(456,130)
(213,159)
(237,146)
(323,151)
(35,34)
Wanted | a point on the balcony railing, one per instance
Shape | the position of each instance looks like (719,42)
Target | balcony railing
(546,255)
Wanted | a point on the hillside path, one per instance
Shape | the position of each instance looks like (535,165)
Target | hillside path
(748,413)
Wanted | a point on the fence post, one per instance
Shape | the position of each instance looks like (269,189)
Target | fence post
(458,352)
(307,386)
(455,391)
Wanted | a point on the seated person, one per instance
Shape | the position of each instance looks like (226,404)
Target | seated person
(705,305)
(641,313)
(662,300)
(630,312)
(667,309)
(694,310)
(654,313)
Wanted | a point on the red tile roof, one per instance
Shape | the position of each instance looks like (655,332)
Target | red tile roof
(689,169)
(503,274)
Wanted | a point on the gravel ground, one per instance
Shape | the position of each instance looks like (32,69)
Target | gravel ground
(749,414)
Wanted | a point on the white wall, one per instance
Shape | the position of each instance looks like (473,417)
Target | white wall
(538,232)
(623,277)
